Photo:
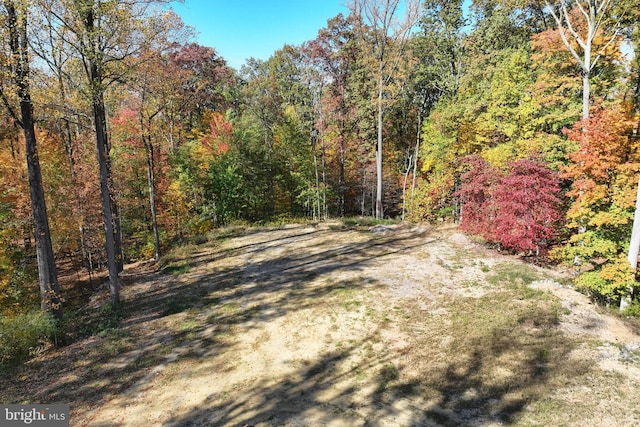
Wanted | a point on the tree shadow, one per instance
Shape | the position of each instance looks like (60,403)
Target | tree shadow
(331,390)
(170,318)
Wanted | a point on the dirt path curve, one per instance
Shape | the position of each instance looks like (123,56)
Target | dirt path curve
(317,326)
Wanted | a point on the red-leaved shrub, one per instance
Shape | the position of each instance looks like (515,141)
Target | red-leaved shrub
(520,210)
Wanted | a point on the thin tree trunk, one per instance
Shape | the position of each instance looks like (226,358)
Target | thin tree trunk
(115,211)
(48,278)
(324,174)
(364,190)
(341,159)
(634,246)
(404,187)
(315,167)
(415,157)
(379,209)
(152,187)
(586,93)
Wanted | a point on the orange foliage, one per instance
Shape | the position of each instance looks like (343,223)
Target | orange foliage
(217,142)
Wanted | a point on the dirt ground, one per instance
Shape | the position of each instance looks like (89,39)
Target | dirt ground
(323,325)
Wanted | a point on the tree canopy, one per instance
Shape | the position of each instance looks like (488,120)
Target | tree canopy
(517,118)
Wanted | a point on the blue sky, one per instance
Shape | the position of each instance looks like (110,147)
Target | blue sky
(240,29)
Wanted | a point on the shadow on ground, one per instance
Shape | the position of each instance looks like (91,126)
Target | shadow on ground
(212,298)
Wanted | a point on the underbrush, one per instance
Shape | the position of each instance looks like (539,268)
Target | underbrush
(23,334)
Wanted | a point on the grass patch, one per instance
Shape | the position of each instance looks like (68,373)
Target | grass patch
(90,322)
(179,305)
(510,274)
(176,269)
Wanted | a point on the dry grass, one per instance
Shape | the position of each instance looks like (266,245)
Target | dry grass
(335,325)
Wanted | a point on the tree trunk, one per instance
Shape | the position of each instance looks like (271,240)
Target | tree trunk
(634,246)
(415,157)
(315,167)
(324,181)
(586,89)
(50,300)
(105,178)
(151,182)
(47,274)
(404,187)
(379,209)
(342,154)
(152,196)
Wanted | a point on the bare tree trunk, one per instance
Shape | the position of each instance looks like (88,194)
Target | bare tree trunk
(342,155)
(105,191)
(48,278)
(50,300)
(415,157)
(315,167)
(150,157)
(152,197)
(324,182)
(113,242)
(634,246)
(379,209)
(404,187)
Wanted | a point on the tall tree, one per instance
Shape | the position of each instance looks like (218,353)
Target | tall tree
(334,53)
(16,25)
(389,37)
(439,52)
(104,34)
(579,22)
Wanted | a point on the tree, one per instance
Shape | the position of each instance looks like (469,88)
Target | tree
(579,23)
(16,23)
(200,78)
(334,53)
(105,34)
(478,213)
(603,174)
(439,52)
(389,38)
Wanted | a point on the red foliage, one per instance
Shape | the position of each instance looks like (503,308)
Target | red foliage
(475,193)
(221,135)
(125,127)
(520,210)
(528,206)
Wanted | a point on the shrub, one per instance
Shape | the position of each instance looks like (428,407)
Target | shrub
(21,334)
(520,210)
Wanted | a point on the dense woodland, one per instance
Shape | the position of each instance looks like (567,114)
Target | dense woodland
(120,136)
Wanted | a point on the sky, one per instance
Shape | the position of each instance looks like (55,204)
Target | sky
(242,29)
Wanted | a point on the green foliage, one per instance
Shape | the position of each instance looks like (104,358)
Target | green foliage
(632,310)
(22,334)
(18,278)
(439,171)
(608,283)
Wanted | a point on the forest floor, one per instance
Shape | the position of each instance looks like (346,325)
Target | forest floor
(327,325)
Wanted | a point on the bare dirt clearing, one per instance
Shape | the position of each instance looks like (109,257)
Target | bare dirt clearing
(324,325)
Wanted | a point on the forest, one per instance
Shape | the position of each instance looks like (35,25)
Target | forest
(121,137)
